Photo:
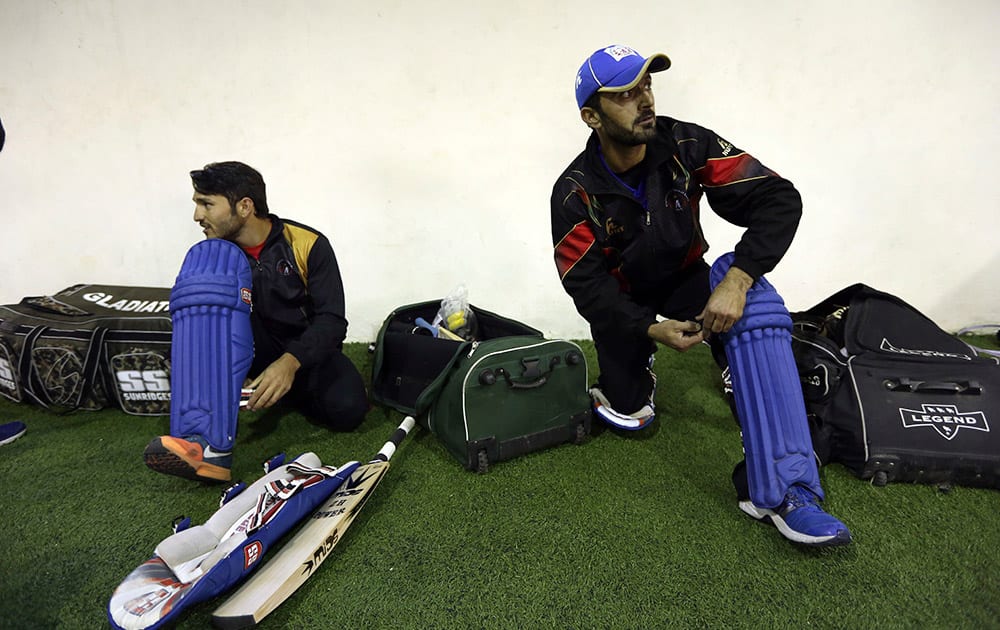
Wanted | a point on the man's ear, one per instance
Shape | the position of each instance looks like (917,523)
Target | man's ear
(245,207)
(590,117)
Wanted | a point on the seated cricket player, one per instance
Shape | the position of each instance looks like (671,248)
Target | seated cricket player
(629,250)
(263,297)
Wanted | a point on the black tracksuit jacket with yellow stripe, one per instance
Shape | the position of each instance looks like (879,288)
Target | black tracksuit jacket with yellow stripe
(616,248)
(298,294)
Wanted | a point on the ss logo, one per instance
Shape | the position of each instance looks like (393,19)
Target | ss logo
(143,381)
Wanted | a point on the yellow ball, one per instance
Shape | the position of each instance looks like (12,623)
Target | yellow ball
(456,320)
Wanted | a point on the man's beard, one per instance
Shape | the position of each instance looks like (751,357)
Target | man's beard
(226,230)
(628,137)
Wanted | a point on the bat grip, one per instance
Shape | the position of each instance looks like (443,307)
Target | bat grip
(389,447)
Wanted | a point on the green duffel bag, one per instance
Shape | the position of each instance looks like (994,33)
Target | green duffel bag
(507,392)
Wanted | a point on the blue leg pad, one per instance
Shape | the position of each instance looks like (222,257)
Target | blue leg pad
(212,344)
(768,394)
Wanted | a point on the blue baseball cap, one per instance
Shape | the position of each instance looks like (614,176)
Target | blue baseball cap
(615,69)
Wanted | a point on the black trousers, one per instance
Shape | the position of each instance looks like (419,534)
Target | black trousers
(331,392)
(624,358)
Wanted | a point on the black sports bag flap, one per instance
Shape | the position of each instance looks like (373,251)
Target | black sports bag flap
(864,319)
(86,300)
(884,323)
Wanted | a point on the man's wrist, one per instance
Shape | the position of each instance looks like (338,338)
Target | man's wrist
(292,360)
(652,326)
(742,279)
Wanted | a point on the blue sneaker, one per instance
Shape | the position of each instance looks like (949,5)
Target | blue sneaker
(190,457)
(800,519)
(11,431)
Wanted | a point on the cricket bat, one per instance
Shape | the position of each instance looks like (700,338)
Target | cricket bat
(310,546)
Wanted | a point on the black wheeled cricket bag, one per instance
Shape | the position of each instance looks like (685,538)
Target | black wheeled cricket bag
(88,347)
(892,396)
(509,392)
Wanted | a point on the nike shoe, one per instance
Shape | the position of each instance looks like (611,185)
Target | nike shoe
(631,422)
(190,457)
(801,520)
(11,431)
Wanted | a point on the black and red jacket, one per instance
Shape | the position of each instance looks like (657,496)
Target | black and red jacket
(616,244)
(298,294)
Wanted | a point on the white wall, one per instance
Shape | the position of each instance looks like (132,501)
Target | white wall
(424,137)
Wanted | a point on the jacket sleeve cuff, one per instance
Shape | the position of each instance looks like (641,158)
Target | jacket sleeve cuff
(642,328)
(296,350)
(752,268)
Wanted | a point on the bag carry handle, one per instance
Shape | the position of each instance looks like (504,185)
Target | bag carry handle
(532,377)
(904,384)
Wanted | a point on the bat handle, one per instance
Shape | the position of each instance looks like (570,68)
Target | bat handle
(389,447)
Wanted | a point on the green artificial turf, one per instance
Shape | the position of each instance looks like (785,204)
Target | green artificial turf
(628,530)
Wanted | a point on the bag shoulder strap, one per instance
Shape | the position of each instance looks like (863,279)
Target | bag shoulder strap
(33,383)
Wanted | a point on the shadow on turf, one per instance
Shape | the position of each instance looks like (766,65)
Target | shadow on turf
(598,427)
(262,424)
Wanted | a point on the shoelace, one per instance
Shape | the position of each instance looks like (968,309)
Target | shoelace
(798,497)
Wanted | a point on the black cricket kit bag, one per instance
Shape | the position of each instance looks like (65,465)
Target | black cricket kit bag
(503,393)
(892,396)
(87,347)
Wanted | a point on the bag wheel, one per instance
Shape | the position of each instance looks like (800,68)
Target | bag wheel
(581,434)
(482,461)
